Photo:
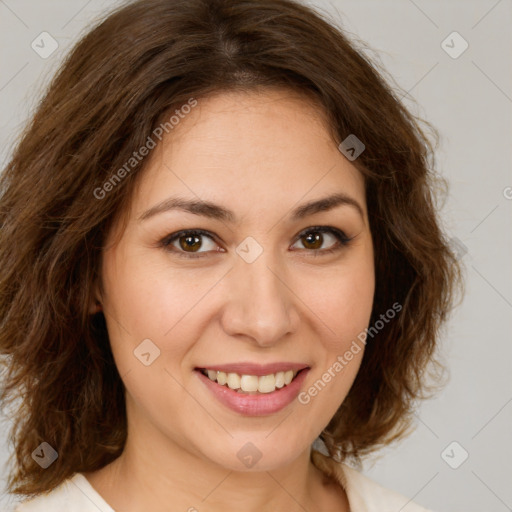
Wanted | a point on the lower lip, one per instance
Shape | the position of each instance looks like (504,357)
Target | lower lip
(256,405)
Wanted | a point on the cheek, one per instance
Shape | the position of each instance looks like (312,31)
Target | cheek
(343,301)
(148,298)
(343,310)
(146,295)
(140,304)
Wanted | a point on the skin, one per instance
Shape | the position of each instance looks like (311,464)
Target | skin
(260,154)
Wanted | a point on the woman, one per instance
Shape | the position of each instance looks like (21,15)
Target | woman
(219,248)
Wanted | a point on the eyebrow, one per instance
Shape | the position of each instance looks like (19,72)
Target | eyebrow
(215,211)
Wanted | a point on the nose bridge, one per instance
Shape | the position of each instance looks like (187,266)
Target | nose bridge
(260,304)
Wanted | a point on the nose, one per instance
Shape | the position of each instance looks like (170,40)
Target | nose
(260,305)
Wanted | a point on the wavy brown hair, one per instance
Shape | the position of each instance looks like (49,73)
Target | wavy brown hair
(141,62)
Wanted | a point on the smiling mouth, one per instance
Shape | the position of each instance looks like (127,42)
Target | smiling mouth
(251,384)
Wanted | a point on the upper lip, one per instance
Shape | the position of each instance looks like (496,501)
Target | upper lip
(246,368)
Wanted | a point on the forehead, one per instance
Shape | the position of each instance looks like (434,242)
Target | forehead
(249,150)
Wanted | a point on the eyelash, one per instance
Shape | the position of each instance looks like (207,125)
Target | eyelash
(341,241)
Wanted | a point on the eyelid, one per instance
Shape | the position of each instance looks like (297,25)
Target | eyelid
(169,239)
(325,229)
(342,240)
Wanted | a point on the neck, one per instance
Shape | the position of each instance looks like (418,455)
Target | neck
(156,473)
(156,480)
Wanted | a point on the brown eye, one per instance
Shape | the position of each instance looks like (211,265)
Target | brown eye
(313,239)
(192,242)
(189,243)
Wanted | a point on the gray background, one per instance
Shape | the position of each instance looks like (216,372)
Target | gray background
(469,100)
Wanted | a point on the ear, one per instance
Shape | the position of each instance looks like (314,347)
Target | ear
(96,305)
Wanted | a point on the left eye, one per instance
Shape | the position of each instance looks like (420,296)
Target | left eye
(314,238)
(190,242)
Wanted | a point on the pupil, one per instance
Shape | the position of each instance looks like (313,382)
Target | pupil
(190,241)
(314,239)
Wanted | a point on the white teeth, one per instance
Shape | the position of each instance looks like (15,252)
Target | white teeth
(249,383)
(267,384)
(234,380)
(279,379)
(252,383)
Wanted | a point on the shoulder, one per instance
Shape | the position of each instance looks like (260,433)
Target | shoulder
(75,494)
(375,497)
(364,494)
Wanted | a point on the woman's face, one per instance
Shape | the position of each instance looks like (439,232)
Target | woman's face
(262,290)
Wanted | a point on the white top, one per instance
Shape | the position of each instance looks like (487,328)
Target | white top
(76,494)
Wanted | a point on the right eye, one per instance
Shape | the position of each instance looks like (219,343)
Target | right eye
(186,243)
